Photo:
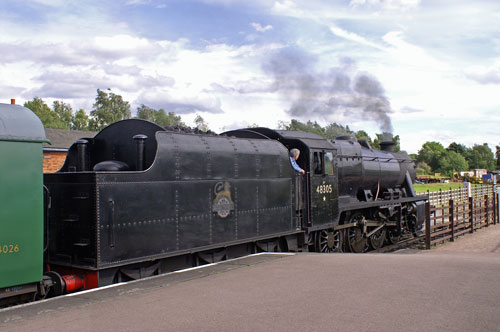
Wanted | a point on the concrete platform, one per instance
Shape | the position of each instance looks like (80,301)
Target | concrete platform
(412,291)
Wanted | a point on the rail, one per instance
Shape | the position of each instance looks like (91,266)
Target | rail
(453,213)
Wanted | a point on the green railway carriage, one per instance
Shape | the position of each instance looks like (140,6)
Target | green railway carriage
(21,201)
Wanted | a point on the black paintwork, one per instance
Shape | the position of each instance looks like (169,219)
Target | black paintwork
(197,192)
(183,193)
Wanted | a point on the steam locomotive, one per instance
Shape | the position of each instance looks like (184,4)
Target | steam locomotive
(139,200)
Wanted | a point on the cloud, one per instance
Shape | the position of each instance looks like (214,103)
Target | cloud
(484,75)
(261,28)
(409,110)
(100,49)
(251,86)
(8,91)
(172,101)
(400,5)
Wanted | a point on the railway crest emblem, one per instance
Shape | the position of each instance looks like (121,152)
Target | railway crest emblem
(223,203)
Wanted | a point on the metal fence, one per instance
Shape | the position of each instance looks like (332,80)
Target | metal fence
(453,213)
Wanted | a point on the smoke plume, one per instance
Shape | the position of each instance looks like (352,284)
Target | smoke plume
(330,94)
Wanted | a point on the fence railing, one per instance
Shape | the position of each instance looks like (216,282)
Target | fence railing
(453,213)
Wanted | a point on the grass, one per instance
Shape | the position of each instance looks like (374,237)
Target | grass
(422,188)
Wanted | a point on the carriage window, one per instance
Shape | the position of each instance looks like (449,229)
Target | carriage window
(318,162)
(328,163)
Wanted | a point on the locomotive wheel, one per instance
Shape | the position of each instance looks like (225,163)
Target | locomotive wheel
(357,242)
(328,241)
(376,241)
(393,236)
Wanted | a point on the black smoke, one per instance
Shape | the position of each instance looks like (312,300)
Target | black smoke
(328,94)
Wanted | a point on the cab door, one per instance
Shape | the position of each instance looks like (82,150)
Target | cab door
(323,188)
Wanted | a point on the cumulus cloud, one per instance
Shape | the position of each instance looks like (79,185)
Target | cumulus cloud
(260,28)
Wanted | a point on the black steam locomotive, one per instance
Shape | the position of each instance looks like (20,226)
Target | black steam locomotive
(138,200)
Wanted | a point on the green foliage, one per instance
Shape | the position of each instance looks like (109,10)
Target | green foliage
(108,108)
(64,112)
(80,120)
(361,134)
(431,153)
(330,131)
(451,162)
(481,156)
(310,127)
(458,148)
(159,117)
(201,124)
(423,168)
(49,118)
(497,156)
(334,129)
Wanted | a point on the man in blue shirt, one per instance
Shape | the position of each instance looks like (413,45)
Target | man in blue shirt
(294,155)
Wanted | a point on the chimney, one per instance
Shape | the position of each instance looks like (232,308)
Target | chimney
(387,146)
(13,101)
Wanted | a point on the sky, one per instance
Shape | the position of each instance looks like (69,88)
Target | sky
(423,70)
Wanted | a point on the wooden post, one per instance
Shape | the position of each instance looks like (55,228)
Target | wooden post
(486,210)
(451,219)
(494,208)
(471,214)
(497,201)
(427,225)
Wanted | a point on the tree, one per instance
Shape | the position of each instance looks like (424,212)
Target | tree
(283,125)
(361,134)
(107,109)
(159,117)
(452,162)
(80,121)
(334,129)
(497,156)
(201,124)
(458,148)
(423,168)
(431,153)
(49,118)
(309,127)
(64,112)
(481,157)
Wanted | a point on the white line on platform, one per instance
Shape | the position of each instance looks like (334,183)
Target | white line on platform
(144,279)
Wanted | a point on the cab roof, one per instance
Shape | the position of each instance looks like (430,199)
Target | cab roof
(17,123)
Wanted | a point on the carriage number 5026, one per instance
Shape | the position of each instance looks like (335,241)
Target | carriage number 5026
(9,248)
(324,189)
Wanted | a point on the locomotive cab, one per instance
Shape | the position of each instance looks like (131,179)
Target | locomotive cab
(316,193)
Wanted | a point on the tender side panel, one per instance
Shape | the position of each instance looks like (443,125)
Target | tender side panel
(147,220)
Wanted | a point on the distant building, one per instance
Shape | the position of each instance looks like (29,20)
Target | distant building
(478,173)
(54,154)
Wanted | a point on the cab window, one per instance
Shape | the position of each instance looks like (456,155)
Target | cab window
(318,162)
(329,163)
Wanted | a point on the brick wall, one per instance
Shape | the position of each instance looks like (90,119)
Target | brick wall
(53,160)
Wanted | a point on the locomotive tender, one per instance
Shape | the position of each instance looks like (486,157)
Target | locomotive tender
(139,200)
